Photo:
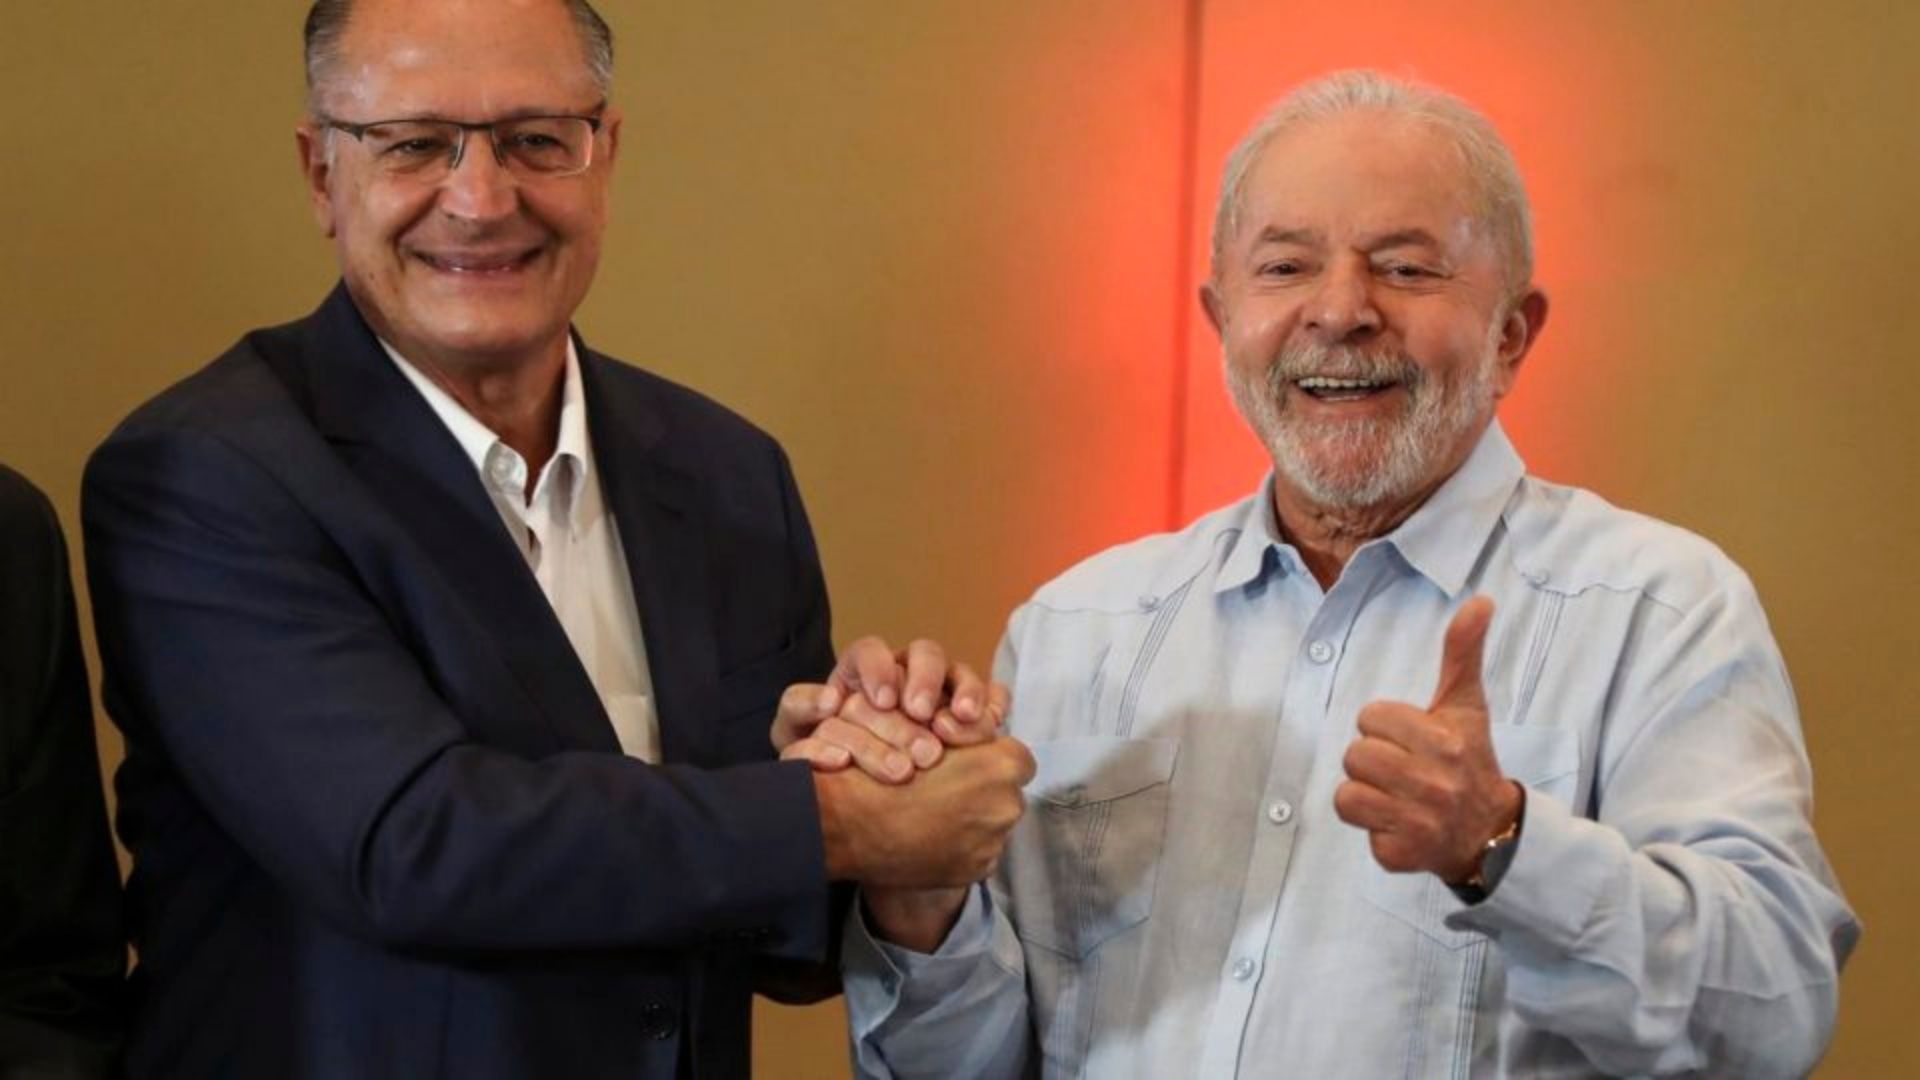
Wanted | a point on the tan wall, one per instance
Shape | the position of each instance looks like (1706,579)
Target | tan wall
(939,249)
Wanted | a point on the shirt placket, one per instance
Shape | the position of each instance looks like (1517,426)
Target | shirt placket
(1304,700)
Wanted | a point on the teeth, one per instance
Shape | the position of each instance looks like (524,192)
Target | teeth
(1320,382)
(471,266)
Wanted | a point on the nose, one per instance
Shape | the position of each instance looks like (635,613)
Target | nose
(1341,308)
(478,187)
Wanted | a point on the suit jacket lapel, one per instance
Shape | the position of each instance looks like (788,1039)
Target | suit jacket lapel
(408,459)
(656,504)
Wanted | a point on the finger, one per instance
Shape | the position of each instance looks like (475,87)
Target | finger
(1381,764)
(867,666)
(954,731)
(968,694)
(1024,765)
(822,755)
(1394,721)
(1417,731)
(1364,806)
(802,706)
(1460,677)
(926,664)
(896,729)
(872,754)
(999,703)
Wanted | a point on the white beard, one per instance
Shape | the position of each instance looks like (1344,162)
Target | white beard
(1357,464)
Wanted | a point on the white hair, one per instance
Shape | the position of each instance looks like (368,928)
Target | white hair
(1489,166)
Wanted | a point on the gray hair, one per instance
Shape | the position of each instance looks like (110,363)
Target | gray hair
(1488,163)
(327,24)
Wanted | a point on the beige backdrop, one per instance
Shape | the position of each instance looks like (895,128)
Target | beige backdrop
(943,251)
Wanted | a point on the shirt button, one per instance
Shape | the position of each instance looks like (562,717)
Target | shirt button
(1320,652)
(1243,969)
(1148,601)
(1279,811)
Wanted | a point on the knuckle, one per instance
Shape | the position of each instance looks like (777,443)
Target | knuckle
(1355,758)
(1394,855)
(1344,798)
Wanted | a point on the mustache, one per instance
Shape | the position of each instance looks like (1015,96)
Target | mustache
(1344,362)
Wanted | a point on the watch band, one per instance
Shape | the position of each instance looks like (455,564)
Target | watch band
(1495,855)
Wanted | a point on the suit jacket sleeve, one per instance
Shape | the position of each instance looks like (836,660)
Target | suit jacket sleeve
(62,949)
(242,643)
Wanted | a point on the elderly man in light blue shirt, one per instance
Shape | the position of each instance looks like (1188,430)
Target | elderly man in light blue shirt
(1409,763)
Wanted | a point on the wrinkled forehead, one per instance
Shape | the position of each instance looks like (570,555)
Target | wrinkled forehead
(461,59)
(1362,173)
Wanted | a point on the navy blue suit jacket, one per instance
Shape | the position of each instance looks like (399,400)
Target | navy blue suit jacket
(380,823)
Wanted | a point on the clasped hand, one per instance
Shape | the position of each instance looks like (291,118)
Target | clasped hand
(918,788)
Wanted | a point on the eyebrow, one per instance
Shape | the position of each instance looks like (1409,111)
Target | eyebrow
(1411,237)
(1403,238)
(1274,235)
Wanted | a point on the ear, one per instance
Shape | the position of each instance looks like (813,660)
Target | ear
(1215,306)
(610,131)
(316,167)
(1518,332)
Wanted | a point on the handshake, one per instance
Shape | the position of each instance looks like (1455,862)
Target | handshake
(916,785)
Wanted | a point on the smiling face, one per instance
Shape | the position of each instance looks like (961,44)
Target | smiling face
(481,270)
(1364,312)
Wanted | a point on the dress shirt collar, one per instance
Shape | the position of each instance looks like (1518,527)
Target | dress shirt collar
(572,461)
(1444,537)
(1257,548)
(1441,540)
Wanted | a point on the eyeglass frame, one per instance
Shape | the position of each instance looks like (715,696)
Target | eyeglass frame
(594,118)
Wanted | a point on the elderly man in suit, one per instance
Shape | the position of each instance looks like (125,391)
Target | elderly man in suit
(446,647)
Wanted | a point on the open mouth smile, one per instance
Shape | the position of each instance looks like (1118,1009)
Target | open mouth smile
(1324,388)
(479,264)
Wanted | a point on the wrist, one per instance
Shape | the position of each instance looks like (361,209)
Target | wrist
(1495,853)
(833,842)
(916,919)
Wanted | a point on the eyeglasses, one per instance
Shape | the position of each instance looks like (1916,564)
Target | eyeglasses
(427,150)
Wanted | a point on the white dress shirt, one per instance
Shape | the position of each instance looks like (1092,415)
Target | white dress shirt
(1181,900)
(572,544)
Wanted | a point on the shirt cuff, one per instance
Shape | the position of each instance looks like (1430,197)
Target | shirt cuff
(878,975)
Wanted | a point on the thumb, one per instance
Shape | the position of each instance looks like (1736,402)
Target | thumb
(1460,684)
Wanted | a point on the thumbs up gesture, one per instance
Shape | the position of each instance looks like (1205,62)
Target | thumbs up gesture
(1424,783)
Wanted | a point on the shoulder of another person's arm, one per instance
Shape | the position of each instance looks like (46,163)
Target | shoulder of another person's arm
(27,519)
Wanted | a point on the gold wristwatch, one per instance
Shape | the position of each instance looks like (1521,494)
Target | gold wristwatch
(1494,859)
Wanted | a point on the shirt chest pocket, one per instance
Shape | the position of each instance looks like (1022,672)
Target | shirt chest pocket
(1082,864)
(1543,757)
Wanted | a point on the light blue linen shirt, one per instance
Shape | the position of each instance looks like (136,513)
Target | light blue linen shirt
(1181,900)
